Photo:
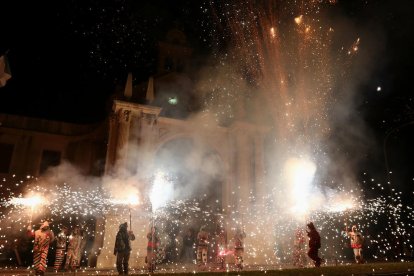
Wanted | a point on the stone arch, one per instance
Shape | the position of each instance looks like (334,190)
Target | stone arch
(218,149)
(195,166)
(237,148)
(196,173)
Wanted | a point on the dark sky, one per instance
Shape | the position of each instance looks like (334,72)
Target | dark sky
(67,56)
(388,113)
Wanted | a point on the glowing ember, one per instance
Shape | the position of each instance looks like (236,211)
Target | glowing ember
(226,252)
(272,32)
(299,19)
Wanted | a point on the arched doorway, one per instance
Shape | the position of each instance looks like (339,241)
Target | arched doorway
(195,175)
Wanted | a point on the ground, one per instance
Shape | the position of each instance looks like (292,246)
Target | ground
(395,269)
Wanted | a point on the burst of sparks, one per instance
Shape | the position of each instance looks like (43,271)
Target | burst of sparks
(161,191)
(27,201)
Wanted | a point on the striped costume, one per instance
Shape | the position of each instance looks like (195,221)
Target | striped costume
(239,247)
(202,246)
(152,249)
(74,250)
(43,238)
(60,250)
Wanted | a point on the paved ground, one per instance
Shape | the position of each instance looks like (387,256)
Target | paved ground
(160,270)
(398,270)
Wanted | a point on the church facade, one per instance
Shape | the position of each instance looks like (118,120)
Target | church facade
(150,131)
(153,126)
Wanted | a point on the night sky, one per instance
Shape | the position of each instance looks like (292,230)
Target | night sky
(68,57)
(63,54)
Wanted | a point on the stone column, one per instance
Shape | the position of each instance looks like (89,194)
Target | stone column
(129,117)
(124,118)
(259,169)
(244,171)
(147,139)
(112,142)
(242,168)
(140,226)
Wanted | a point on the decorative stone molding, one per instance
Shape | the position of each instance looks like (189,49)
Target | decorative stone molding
(126,116)
(149,118)
(113,117)
(162,132)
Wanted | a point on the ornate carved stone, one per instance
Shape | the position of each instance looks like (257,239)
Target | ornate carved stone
(149,118)
(113,117)
(126,115)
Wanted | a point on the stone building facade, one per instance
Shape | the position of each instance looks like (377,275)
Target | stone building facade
(239,149)
(29,146)
(145,120)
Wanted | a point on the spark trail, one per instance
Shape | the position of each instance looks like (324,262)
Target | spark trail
(284,51)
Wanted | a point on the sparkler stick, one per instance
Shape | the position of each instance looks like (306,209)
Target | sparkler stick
(152,240)
(132,200)
(130,219)
(346,214)
(31,215)
(242,222)
(152,234)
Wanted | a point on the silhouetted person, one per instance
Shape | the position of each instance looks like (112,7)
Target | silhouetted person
(239,237)
(152,248)
(202,246)
(314,244)
(188,246)
(122,248)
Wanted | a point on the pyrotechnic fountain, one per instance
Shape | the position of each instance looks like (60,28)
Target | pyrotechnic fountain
(161,193)
(32,201)
(286,54)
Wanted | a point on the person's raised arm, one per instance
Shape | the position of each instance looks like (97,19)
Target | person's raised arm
(52,236)
(30,231)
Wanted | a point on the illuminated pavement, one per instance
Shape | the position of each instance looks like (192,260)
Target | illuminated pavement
(179,268)
(188,268)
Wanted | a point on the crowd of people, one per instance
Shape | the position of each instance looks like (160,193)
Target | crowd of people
(69,247)
(198,248)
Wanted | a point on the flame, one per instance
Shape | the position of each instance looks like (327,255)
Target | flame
(226,252)
(299,19)
(272,32)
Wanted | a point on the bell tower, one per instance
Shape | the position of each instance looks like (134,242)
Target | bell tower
(174,53)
